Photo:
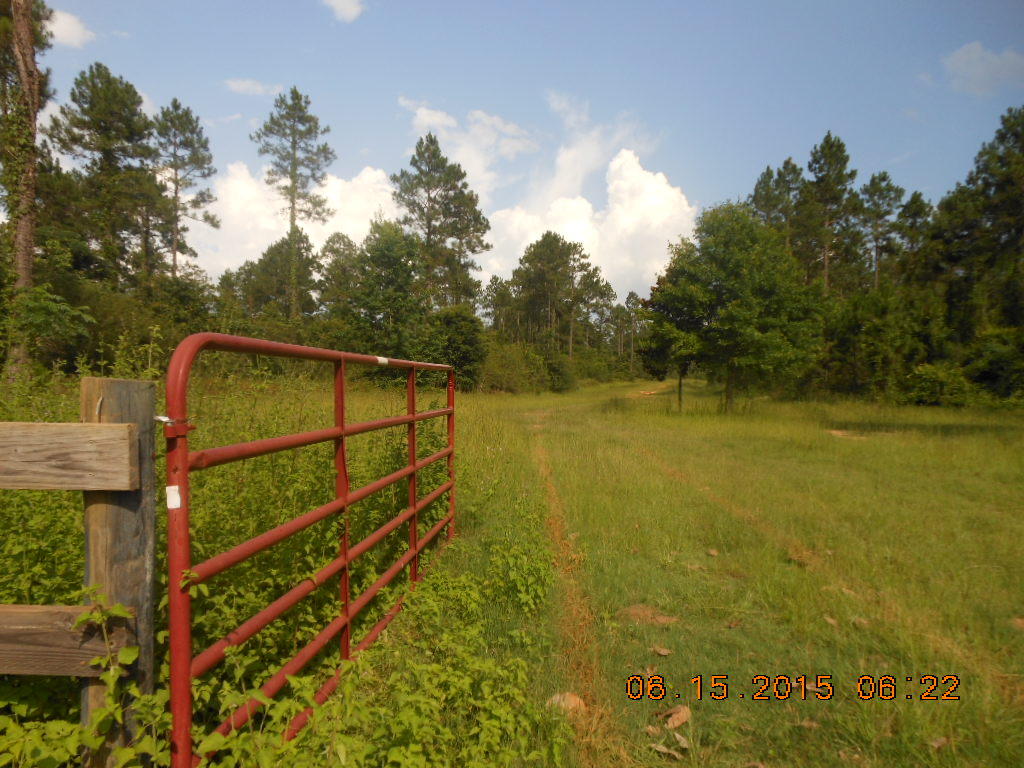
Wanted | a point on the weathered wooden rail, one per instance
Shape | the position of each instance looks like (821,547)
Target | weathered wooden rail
(109,456)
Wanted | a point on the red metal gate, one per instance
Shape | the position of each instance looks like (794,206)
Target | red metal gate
(184,573)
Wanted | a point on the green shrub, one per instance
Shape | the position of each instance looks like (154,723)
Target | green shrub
(937,384)
(560,375)
(456,337)
(520,577)
(995,361)
(591,365)
(512,368)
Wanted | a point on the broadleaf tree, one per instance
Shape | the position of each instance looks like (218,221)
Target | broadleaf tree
(733,301)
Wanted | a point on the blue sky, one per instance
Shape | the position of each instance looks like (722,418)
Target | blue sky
(613,123)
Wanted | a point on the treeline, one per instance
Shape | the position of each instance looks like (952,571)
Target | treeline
(814,284)
(96,260)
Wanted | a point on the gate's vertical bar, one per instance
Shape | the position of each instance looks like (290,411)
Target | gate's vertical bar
(451,456)
(341,489)
(179,561)
(414,531)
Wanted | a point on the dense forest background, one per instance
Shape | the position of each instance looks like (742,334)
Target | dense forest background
(820,281)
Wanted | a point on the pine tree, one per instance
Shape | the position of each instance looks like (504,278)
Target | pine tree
(881,199)
(776,195)
(829,202)
(104,125)
(290,137)
(183,153)
(441,208)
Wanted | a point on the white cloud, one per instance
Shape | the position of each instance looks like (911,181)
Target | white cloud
(251,214)
(248,87)
(574,112)
(625,231)
(148,105)
(975,69)
(68,29)
(478,146)
(212,121)
(50,110)
(627,238)
(346,10)
(586,149)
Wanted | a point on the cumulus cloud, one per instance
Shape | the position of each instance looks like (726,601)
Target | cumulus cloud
(478,145)
(976,70)
(590,186)
(626,232)
(252,218)
(68,29)
(346,10)
(223,120)
(627,238)
(148,105)
(249,87)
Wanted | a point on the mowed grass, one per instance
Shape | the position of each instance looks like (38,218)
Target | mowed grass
(792,539)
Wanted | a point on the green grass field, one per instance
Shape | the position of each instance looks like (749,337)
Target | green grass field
(783,540)
(788,539)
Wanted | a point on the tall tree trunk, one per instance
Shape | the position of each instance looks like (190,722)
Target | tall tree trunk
(730,387)
(24,213)
(293,282)
(826,254)
(876,266)
(176,234)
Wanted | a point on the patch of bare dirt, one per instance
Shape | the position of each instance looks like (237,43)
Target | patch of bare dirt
(647,614)
(846,434)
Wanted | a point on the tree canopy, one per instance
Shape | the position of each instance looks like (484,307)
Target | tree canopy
(445,213)
(733,301)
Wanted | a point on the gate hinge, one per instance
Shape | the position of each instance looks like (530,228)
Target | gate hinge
(174,428)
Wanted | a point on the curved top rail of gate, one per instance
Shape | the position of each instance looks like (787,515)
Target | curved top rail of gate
(183,573)
(186,352)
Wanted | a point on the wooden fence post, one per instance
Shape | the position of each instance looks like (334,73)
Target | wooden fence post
(120,533)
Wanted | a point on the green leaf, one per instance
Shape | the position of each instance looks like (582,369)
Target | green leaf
(128,655)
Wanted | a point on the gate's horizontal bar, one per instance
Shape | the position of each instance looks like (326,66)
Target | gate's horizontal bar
(212,457)
(279,679)
(321,696)
(247,549)
(205,661)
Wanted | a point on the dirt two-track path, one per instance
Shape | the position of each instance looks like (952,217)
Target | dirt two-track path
(597,738)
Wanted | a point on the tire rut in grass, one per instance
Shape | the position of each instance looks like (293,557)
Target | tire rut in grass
(596,735)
